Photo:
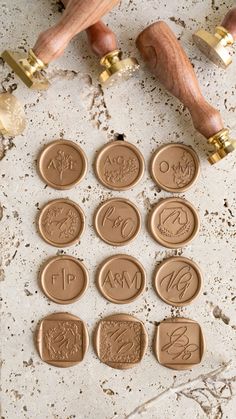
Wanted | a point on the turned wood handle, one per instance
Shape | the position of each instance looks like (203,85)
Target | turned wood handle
(101,39)
(168,61)
(229,22)
(78,16)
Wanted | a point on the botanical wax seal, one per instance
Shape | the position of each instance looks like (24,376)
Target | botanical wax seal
(179,343)
(119,165)
(62,164)
(174,222)
(64,279)
(175,167)
(178,281)
(117,221)
(120,341)
(61,222)
(121,279)
(62,339)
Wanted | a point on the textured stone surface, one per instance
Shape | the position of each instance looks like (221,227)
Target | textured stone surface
(76,108)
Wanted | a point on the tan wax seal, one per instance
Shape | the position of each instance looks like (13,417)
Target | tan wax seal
(175,167)
(61,222)
(119,165)
(117,221)
(121,279)
(178,281)
(174,222)
(120,341)
(62,339)
(64,279)
(62,164)
(179,343)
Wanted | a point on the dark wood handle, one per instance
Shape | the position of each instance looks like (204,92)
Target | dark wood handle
(78,16)
(101,39)
(168,61)
(229,22)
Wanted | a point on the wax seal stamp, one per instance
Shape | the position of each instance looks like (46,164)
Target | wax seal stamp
(178,281)
(119,165)
(62,164)
(215,46)
(121,279)
(179,343)
(117,221)
(175,167)
(12,115)
(174,222)
(120,341)
(63,279)
(62,340)
(61,222)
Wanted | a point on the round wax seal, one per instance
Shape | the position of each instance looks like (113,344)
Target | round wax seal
(62,164)
(117,221)
(62,339)
(175,167)
(120,341)
(174,222)
(179,343)
(61,222)
(119,165)
(121,279)
(178,281)
(64,279)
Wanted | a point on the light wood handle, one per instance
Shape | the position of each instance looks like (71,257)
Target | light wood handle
(229,22)
(78,16)
(168,61)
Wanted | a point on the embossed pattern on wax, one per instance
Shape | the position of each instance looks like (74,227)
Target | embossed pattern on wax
(178,281)
(119,165)
(62,164)
(61,222)
(175,167)
(62,339)
(179,343)
(121,279)
(120,341)
(117,221)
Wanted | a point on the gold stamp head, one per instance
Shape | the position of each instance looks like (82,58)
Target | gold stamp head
(214,46)
(223,145)
(117,69)
(12,115)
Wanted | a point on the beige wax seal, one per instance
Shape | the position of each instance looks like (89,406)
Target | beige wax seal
(62,164)
(119,165)
(120,341)
(62,340)
(117,221)
(175,167)
(179,343)
(64,279)
(121,279)
(61,222)
(174,222)
(178,281)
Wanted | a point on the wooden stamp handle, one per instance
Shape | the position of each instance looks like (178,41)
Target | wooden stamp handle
(78,16)
(168,61)
(229,22)
(101,39)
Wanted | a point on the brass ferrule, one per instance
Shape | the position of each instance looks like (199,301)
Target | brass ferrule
(32,64)
(111,58)
(221,139)
(225,38)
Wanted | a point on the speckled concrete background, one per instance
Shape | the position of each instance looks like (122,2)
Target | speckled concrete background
(76,108)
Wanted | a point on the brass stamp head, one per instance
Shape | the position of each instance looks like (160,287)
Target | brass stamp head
(117,69)
(214,46)
(12,115)
(223,145)
(28,69)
